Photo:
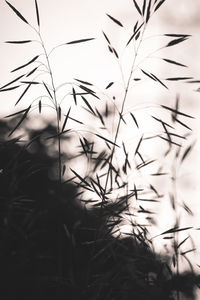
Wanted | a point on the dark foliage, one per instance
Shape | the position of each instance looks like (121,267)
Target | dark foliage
(54,248)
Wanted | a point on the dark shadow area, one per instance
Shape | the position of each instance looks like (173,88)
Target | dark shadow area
(52,247)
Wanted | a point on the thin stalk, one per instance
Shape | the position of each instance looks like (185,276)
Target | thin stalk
(57,110)
(122,110)
(59,229)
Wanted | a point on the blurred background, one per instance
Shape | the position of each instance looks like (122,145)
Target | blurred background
(65,21)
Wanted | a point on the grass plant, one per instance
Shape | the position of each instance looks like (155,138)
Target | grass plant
(63,235)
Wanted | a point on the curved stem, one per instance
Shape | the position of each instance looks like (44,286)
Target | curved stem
(121,112)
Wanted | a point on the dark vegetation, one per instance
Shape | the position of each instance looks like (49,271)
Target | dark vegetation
(45,231)
(56,244)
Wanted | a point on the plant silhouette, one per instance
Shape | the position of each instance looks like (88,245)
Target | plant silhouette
(95,264)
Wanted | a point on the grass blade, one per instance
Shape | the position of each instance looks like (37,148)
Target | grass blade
(176,41)
(107,140)
(178,78)
(109,85)
(31,72)
(84,82)
(148,11)
(175,229)
(66,118)
(134,119)
(17,113)
(88,105)
(74,95)
(175,111)
(24,92)
(177,35)
(187,151)
(21,120)
(17,12)
(138,146)
(28,63)
(174,62)
(79,177)
(157,79)
(137,7)
(10,88)
(18,42)
(159,5)
(46,87)
(134,34)
(80,41)
(144,7)
(37,13)
(9,83)
(107,39)
(115,20)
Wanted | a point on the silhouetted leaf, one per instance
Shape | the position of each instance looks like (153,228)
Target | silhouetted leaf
(148,11)
(46,87)
(31,72)
(177,35)
(17,113)
(115,20)
(149,75)
(9,83)
(169,141)
(107,39)
(100,117)
(187,151)
(21,120)
(187,209)
(144,164)
(181,123)
(80,41)
(24,92)
(40,106)
(174,62)
(115,52)
(144,7)
(18,42)
(134,119)
(28,63)
(137,7)
(138,146)
(135,26)
(107,140)
(134,34)
(157,79)
(181,243)
(30,82)
(66,118)
(176,41)
(159,120)
(75,120)
(88,105)
(177,78)
(59,112)
(37,13)
(109,85)
(176,111)
(84,82)
(17,12)
(159,5)
(188,251)
(79,177)
(9,89)
(175,229)
(74,96)
(89,91)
